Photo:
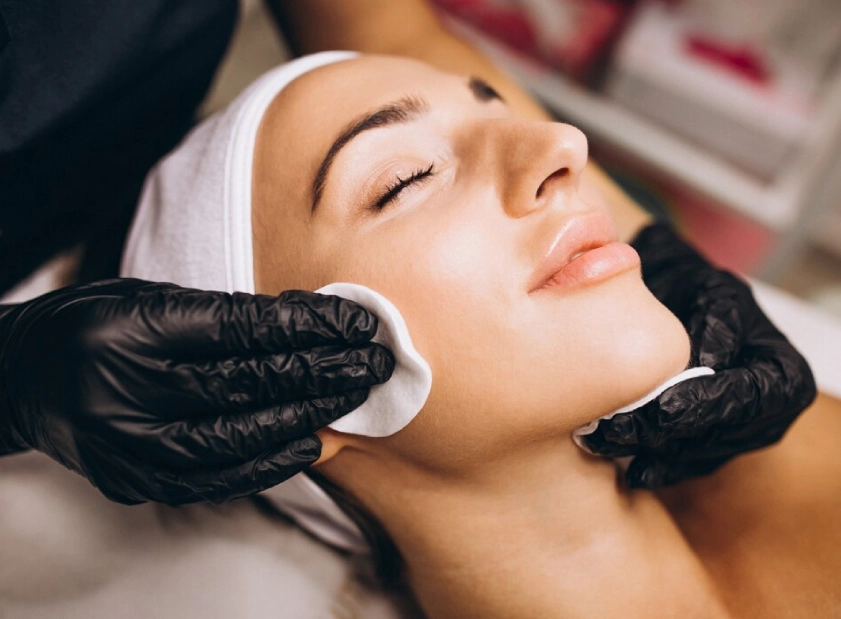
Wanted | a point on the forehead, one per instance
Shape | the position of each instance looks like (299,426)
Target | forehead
(353,86)
(314,108)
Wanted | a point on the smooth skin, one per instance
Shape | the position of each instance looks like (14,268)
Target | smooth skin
(494,509)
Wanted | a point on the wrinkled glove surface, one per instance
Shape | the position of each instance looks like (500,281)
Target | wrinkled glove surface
(760,387)
(160,393)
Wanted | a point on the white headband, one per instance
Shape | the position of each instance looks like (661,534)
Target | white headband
(193,228)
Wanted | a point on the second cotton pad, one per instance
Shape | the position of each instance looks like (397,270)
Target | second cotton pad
(392,405)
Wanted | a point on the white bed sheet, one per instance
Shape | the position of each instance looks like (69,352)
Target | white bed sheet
(815,333)
(65,551)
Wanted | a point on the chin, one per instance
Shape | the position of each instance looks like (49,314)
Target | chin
(657,341)
(648,343)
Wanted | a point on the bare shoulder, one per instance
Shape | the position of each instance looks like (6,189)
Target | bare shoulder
(765,524)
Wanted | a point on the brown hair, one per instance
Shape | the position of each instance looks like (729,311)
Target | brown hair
(387,562)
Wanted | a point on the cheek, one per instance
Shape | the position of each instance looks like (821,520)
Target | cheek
(448,275)
(609,346)
(542,371)
(445,269)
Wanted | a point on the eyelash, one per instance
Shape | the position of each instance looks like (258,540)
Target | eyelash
(394,190)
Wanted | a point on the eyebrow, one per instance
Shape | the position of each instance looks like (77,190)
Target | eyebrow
(482,90)
(401,111)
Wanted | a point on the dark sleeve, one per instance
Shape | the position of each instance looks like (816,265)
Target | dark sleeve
(7,443)
(92,94)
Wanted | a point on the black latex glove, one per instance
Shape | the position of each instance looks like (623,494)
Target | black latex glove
(760,387)
(160,393)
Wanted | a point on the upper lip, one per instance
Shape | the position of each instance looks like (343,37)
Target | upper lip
(577,235)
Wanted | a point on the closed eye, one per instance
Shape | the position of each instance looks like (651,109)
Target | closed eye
(394,190)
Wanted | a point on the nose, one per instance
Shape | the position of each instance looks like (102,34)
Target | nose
(536,164)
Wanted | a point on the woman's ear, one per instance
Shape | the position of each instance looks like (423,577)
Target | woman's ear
(332,443)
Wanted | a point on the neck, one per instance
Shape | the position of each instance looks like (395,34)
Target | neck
(550,535)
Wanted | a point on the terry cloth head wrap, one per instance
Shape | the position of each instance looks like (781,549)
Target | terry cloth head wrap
(193,228)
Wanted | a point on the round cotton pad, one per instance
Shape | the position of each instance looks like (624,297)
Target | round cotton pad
(392,405)
(674,380)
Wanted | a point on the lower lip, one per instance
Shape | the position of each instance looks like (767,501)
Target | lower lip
(594,266)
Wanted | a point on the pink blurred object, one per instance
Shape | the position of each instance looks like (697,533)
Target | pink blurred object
(740,59)
(570,35)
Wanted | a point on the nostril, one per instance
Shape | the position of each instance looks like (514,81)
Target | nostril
(557,174)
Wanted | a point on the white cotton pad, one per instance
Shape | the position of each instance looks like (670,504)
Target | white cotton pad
(392,405)
(674,380)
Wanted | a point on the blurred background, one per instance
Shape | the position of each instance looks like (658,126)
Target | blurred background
(723,115)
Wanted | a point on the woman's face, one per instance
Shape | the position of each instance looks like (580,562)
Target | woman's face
(421,185)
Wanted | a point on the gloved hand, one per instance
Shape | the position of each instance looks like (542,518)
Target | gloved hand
(160,393)
(760,387)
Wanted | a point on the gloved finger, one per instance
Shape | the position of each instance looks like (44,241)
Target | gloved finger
(649,471)
(728,397)
(715,335)
(724,311)
(261,473)
(613,439)
(756,396)
(623,434)
(646,472)
(242,436)
(118,475)
(252,384)
(218,325)
(121,286)
(323,319)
